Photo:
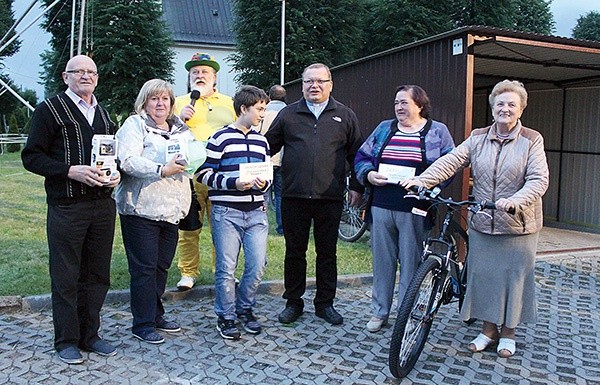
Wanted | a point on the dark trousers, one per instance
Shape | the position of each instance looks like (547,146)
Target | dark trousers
(298,215)
(277,179)
(150,248)
(80,239)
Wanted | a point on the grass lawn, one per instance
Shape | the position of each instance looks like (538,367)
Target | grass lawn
(24,250)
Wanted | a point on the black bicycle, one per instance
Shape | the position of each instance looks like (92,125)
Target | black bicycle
(441,278)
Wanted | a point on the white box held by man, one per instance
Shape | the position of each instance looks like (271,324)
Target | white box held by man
(104,155)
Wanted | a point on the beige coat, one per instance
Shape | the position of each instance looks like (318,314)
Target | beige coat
(515,169)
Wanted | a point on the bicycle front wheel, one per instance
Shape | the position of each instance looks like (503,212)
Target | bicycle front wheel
(414,318)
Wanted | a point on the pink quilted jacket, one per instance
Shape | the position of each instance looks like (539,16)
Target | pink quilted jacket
(514,168)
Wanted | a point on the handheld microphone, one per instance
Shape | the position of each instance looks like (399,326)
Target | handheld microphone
(195,95)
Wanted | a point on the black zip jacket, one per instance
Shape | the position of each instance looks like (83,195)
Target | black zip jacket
(318,152)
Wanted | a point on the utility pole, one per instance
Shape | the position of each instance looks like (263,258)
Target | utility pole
(71,51)
(282,75)
(81,18)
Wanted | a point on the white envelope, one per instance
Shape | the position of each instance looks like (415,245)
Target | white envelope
(395,174)
(250,171)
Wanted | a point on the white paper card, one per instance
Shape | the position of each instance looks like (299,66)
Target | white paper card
(250,171)
(396,174)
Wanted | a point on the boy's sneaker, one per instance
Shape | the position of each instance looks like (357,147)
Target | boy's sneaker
(249,322)
(227,329)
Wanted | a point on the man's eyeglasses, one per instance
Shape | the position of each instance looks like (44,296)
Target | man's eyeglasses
(310,82)
(82,72)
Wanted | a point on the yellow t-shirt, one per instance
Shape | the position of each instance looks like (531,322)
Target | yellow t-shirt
(212,113)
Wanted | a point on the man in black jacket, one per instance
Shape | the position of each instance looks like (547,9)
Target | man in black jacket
(81,212)
(321,137)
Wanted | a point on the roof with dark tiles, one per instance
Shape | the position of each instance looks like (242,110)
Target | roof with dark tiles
(200,21)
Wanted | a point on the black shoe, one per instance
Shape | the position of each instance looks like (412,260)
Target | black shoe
(150,337)
(290,314)
(70,355)
(101,348)
(330,315)
(168,326)
(249,322)
(227,329)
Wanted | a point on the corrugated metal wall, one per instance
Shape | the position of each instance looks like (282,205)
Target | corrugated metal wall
(580,162)
(544,113)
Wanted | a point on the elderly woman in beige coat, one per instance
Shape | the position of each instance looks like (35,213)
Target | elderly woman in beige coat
(509,167)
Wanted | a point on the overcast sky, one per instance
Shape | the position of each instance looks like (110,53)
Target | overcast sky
(24,66)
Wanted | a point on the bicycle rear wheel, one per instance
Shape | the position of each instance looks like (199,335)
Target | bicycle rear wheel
(352,223)
(414,318)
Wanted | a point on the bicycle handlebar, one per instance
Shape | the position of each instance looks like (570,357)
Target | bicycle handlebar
(423,193)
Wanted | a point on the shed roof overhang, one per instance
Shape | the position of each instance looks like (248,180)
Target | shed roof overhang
(534,58)
(529,57)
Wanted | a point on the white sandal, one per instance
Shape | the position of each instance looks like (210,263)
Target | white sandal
(507,344)
(481,342)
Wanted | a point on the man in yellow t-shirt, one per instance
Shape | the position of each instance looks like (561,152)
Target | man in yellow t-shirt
(211,112)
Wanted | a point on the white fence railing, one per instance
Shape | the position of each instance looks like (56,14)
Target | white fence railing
(6,139)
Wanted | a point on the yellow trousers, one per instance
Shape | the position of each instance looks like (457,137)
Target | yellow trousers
(188,245)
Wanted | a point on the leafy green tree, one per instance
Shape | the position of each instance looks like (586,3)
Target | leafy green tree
(7,19)
(23,113)
(13,128)
(29,95)
(22,119)
(7,101)
(489,13)
(58,23)
(9,105)
(127,39)
(588,27)
(330,32)
(392,23)
(131,46)
(533,16)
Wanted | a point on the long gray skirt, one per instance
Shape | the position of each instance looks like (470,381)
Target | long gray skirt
(501,279)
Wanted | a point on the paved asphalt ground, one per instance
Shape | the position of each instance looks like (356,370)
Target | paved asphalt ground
(562,348)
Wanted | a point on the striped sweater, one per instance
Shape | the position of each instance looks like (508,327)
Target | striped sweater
(226,150)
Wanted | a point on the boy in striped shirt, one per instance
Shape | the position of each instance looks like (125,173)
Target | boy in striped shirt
(238,216)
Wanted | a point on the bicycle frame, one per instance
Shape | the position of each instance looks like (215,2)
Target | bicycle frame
(444,248)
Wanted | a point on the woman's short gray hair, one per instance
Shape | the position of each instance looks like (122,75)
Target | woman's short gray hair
(151,88)
(509,86)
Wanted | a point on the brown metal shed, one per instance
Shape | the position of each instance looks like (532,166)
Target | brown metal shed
(458,70)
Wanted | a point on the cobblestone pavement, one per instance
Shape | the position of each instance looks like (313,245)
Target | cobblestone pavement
(562,348)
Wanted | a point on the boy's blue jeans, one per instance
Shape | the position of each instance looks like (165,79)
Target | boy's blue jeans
(233,230)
